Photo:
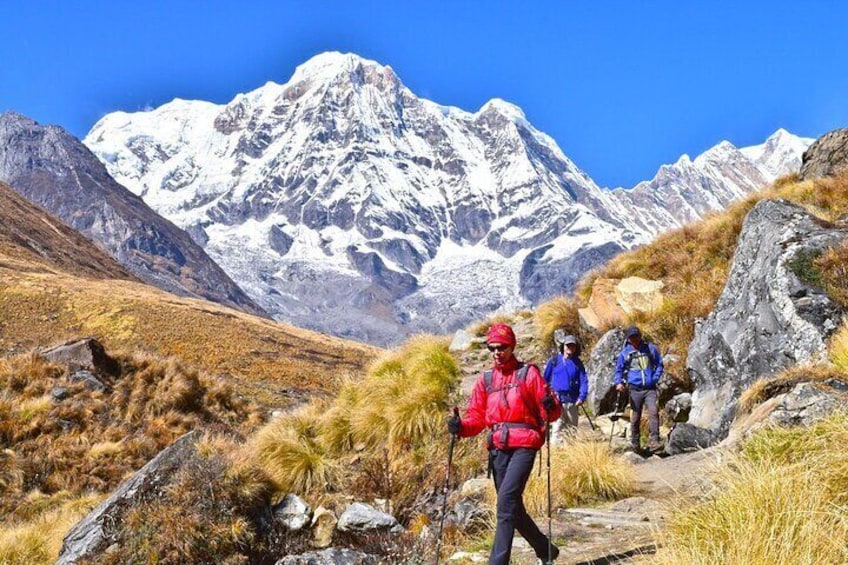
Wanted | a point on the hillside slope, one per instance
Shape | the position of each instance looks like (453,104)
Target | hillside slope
(55,285)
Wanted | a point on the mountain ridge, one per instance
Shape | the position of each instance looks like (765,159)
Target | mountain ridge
(341,201)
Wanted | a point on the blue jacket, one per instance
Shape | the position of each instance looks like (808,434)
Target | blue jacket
(644,366)
(567,376)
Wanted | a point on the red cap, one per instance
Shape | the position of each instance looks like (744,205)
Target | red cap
(501,333)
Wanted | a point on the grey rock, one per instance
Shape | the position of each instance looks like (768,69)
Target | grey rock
(686,437)
(91,535)
(293,513)
(87,354)
(758,327)
(678,407)
(330,556)
(89,380)
(360,517)
(59,393)
(827,156)
(470,514)
(600,370)
(806,404)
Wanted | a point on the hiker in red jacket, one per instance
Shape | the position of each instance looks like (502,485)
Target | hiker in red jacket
(513,401)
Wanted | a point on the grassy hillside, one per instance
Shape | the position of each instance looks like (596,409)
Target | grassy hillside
(56,285)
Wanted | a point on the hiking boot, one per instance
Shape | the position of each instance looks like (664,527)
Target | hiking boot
(543,560)
(655,445)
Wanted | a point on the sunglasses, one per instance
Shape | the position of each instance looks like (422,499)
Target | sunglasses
(499,347)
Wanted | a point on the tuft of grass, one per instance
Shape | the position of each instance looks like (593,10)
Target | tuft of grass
(833,266)
(582,471)
(294,461)
(804,265)
(37,541)
(784,499)
(838,348)
(559,312)
(762,514)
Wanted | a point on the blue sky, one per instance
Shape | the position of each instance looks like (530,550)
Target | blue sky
(623,87)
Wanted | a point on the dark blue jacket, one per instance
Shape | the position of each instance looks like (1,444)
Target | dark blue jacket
(567,376)
(644,366)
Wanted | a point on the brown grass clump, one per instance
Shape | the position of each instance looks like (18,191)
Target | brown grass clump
(90,440)
(782,501)
(37,540)
(582,471)
(559,312)
(206,513)
(838,349)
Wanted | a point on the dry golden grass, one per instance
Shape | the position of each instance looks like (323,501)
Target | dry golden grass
(37,541)
(559,312)
(582,471)
(91,440)
(782,501)
(838,348)
(264,357)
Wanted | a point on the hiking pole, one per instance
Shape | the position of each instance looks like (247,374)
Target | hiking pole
(615,415)
(586,412)
(445,491)
(550,530)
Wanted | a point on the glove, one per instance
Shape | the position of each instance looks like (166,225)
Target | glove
(548,403)
(454,424)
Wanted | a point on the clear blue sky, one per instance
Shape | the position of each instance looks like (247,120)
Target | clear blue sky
(622,86)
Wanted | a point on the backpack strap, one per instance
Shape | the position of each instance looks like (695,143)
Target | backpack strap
(520,377)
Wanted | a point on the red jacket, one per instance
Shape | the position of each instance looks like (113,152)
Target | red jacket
(512,403)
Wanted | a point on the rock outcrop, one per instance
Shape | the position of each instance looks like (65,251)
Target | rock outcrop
(827,156)
(768,316)
(600,370)
(91,535)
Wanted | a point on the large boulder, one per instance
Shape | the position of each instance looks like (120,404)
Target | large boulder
(600,369)
(83,354)
(91,536)
(767,318)
(635,294)
(686,437)
(827,156)
(602,309)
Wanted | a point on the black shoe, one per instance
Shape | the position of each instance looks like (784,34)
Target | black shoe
(554,555)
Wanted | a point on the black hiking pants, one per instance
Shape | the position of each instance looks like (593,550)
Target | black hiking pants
(511,469)
(644,398)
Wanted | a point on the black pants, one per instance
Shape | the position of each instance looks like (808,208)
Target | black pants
(511,470)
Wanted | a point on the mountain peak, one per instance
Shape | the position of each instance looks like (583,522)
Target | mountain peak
(504,108)
(330,64)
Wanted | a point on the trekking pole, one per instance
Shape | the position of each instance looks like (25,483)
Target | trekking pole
(614,416)
(445,491)
(586,412)
(550,529)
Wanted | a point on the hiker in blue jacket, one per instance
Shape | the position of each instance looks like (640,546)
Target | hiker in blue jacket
(566,376)
(639,367)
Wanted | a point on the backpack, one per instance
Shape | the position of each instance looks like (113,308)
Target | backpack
(520,377)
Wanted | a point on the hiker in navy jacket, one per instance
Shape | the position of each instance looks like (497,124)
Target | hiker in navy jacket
(566,376)
(639,367)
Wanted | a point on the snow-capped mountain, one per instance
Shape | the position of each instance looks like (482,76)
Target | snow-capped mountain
(51,168)
(343,202)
